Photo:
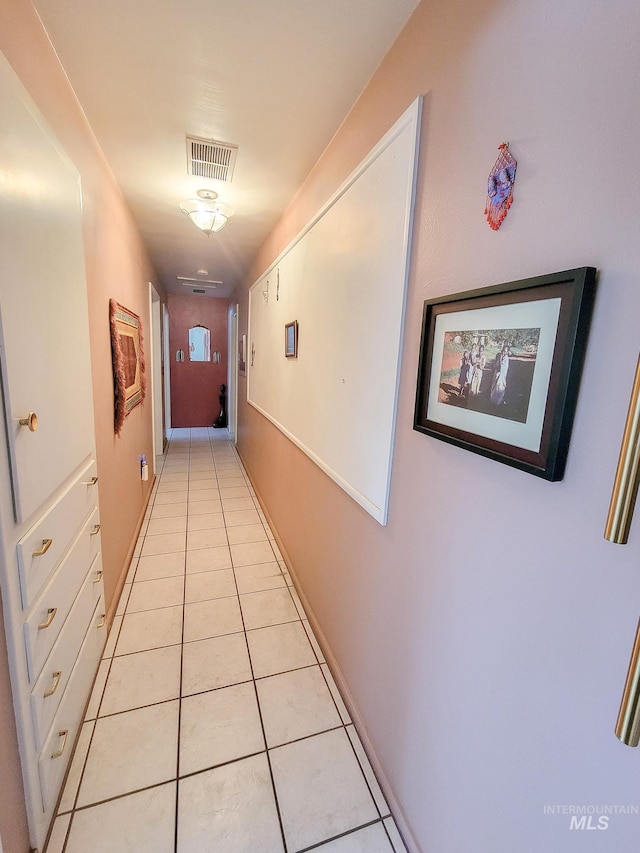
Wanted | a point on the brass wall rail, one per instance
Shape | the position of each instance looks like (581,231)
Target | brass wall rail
(628,724)
(625,486)
(623,499)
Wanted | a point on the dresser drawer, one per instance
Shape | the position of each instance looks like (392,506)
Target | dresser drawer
(58,746)
(40,550)
(44,623)
(50,686)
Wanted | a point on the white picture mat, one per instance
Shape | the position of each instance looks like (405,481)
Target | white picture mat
(542,314)
(343,279)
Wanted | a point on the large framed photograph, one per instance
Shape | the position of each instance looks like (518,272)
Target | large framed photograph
(500,368)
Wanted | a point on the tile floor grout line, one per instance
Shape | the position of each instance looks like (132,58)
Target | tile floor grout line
(228,763)
(184,595)
(345,834)
(307,737)
(285,671)
(264,734)
(386,830)
(75,798)
(153,648)
(138,707)
(122,796)
(249,680)
(357,757)
(345,725)
(169,606)
(326,681)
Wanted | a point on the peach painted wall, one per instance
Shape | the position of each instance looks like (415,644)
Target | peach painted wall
(195,386)
(484,633)
(118,267)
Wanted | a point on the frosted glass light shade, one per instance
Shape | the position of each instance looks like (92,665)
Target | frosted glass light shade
(209,215)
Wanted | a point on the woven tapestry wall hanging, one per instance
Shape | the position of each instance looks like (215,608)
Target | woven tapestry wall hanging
(129,380)
(500,187)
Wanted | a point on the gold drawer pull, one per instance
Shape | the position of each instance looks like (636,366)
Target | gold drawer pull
(54,684)
(98,577)
(90,482)
(51,615)
(30,421)
(46,544)
(64,734)
(96,529)
(103,619)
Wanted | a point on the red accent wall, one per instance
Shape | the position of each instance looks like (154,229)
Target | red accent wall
(195,385)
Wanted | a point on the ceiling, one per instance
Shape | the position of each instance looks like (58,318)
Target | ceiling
(274,77)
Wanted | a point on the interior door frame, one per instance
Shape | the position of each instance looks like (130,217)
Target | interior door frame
(232,373)
(157,367)
(167,371)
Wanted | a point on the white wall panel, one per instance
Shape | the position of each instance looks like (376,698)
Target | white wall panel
(343,279)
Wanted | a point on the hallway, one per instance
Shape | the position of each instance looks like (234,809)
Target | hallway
(215,724)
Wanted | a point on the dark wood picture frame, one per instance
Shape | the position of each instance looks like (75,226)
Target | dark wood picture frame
(291,339)
(500,367)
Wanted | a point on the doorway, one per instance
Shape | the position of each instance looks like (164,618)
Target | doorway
(157,369)
(232,384)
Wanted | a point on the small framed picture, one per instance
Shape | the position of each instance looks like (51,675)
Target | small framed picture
(291,339)
(500,367)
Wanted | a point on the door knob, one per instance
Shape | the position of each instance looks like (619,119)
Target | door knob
(30,421)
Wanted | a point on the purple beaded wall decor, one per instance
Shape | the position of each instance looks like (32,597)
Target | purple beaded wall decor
(500,187)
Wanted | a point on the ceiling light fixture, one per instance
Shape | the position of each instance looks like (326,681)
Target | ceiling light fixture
(186,279)
(206,212)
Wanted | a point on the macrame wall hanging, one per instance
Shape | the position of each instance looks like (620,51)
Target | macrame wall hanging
(500,187)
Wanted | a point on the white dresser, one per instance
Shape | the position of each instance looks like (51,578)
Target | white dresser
(50,560)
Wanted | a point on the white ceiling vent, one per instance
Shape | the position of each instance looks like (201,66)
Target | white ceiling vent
(208,158)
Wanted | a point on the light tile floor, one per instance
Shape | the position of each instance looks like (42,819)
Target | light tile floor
(215,724)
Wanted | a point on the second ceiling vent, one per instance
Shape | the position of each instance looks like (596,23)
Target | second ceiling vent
(208,158)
